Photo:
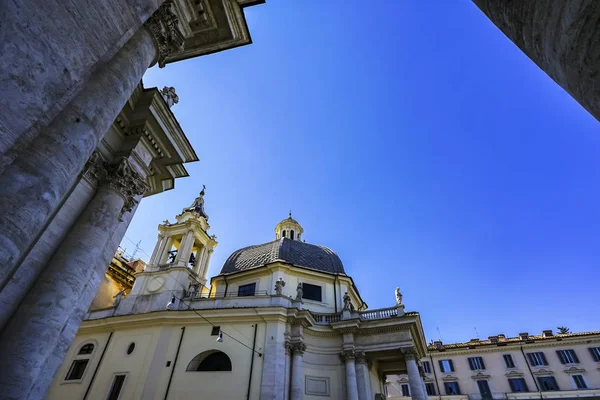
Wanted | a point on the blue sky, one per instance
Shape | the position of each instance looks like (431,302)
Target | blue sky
(416,141)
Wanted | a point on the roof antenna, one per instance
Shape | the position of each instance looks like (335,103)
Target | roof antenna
(476,333)
(439,333)
(137,247)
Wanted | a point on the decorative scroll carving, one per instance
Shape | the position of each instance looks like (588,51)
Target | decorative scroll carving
(298,348)
(288,348)
(163,25)
(94,170)
(360,357)
(348,355)
(410,353)
(123,179)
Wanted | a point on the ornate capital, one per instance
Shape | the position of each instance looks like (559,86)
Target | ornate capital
(298,348)
(163,25)
(360,357)
(123,179)
(410,353)
(348,355)
(94,170)
(288,348)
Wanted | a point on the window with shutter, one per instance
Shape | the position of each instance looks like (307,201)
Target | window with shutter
(595,352)
(579,382)
(426,367)
(537,359)
(476,363)
(430,387)
(567,356)
(518,385)
(446,366)
(405,391)
(484,389)
(451,388)
(547,383)
(508,360)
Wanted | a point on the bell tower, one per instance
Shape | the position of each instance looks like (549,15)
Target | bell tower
(289,228)
(186,242)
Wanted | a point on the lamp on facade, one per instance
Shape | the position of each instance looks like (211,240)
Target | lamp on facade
(171,305)
(220,338)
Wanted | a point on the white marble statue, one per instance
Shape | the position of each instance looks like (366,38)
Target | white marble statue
(193,289)
(171,98)
(398,297)
(347,302)
(299,292)
(279,286)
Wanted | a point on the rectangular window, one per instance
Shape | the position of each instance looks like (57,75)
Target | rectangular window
(117,385)
(77,369)
(547,383)
(484,389)
(446,366)
(579,382)
(451,388)
(567,356)
(430,387)
(247,290)
(405,391)
(595,352)
(536,359)
(518,385)
(215,331)
(508,360)
(476,363)
(426,367)
(311,292)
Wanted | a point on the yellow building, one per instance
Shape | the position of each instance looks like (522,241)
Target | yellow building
(547,366)
(282,320)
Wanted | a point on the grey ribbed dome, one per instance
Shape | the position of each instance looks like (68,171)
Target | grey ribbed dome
(293,252)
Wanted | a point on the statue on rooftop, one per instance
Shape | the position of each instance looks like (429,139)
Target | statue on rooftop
(198,204)
(398,297)
(168,93)
(279,286)
(347,302)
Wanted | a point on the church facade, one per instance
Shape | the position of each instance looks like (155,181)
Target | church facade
(282,320)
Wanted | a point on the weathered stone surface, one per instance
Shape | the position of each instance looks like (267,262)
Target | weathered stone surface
(562,37)
(50,48)
(34,185)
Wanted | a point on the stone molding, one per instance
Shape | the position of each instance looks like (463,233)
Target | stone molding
(298,348)
(123,179)
(360,357)
(288,348)
(95,169)
(410,353)
(575,370)
(163,26)
(348,355)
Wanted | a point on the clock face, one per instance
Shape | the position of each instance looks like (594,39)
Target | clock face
(155,284)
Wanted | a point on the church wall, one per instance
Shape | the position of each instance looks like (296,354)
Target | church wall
(321,361)
(24,277)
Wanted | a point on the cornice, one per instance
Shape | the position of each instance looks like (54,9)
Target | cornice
(480,375)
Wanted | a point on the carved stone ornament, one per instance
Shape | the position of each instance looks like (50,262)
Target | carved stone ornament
(163,25)
(288,348)
(298,348)
(123,179)
(347,355)
(360,357)
(94,170)
(171,98)
(410,353)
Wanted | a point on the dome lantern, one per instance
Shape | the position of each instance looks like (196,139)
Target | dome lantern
(289,228)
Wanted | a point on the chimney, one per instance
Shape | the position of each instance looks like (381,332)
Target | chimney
(502,337)
(493,339)
(524,336)
(547,333)
(438,344)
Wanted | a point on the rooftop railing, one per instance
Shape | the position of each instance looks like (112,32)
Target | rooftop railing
(380,313)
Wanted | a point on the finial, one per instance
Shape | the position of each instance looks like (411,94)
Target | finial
(290,214)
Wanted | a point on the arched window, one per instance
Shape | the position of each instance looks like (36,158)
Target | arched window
(86,349)
(283,233)
(211,360)
(292,235)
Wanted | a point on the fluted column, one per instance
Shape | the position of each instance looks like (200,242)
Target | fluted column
(414,377)
(362,376)
(39,178)
(46,320)
(160,243)
(297,381)
(288,366)
(185,249)
(348,357)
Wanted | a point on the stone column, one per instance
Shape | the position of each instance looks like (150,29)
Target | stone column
(160,243)
(36,182)
(297,381)
(199,267)
(414,377)
(362,376)
(48,318)
(348,357)
(272,384)
(288,367)
(183,254)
